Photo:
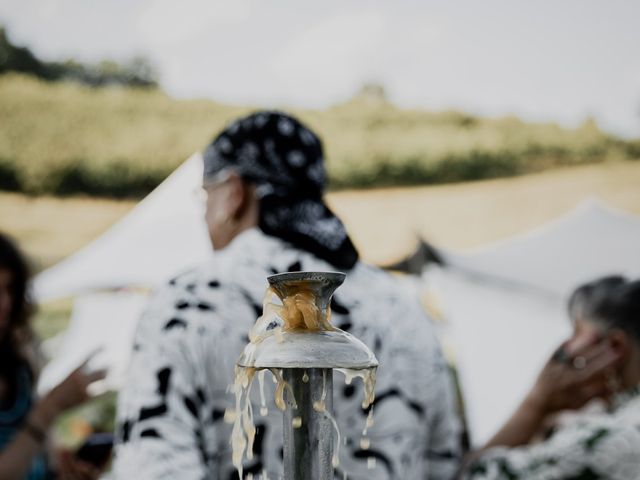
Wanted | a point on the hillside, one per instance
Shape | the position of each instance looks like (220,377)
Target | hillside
(65,138)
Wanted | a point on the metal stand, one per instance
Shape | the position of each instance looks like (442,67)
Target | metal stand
(310,350)
(308,448)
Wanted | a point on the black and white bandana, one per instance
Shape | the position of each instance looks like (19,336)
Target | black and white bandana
(284,159)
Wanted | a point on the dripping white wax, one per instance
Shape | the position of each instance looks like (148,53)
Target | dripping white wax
(296,312)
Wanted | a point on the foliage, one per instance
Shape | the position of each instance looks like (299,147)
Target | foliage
(19,59)
(9,176)
(137,72)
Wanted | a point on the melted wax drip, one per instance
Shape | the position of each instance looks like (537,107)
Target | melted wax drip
(264,411)
(297,312)
(244,431)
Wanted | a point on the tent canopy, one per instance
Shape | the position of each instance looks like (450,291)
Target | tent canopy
(163,235)
(590,241)
(504,303)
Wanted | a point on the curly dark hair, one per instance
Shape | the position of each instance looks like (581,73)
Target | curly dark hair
(18,332)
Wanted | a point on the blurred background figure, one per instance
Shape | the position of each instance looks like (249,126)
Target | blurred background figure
(25,450)
(600,361)
(264,180)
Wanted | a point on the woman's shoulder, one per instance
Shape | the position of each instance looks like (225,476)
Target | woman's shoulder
(16,395)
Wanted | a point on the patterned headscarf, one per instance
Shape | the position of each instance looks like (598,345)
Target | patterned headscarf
(284,159)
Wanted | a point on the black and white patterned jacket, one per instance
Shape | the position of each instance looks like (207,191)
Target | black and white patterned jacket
(171,413)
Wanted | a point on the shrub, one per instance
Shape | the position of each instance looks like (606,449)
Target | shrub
(9,176)
(117,179)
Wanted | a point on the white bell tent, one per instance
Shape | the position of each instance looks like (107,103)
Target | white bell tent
(163,234)
(505,304)
(111,277)
(101,330)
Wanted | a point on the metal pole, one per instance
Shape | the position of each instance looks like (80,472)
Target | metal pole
(309,447)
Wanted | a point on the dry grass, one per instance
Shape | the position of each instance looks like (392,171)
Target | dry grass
(383,222)
(49,228)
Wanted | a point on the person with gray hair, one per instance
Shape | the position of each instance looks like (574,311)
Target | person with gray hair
(264,180)
(600,361)
(586,301)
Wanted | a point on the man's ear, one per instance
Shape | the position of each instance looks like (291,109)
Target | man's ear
(236,196)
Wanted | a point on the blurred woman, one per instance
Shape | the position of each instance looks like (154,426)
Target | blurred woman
(600,361)
(25,419)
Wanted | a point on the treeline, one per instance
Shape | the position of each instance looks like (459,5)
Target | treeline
(117,179)
(137,72)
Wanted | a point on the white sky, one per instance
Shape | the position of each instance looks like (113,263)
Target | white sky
(557,60)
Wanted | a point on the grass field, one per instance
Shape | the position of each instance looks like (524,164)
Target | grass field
(465,216)
(51,228)
(64,138)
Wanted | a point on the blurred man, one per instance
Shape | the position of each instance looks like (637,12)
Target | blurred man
(264,178)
